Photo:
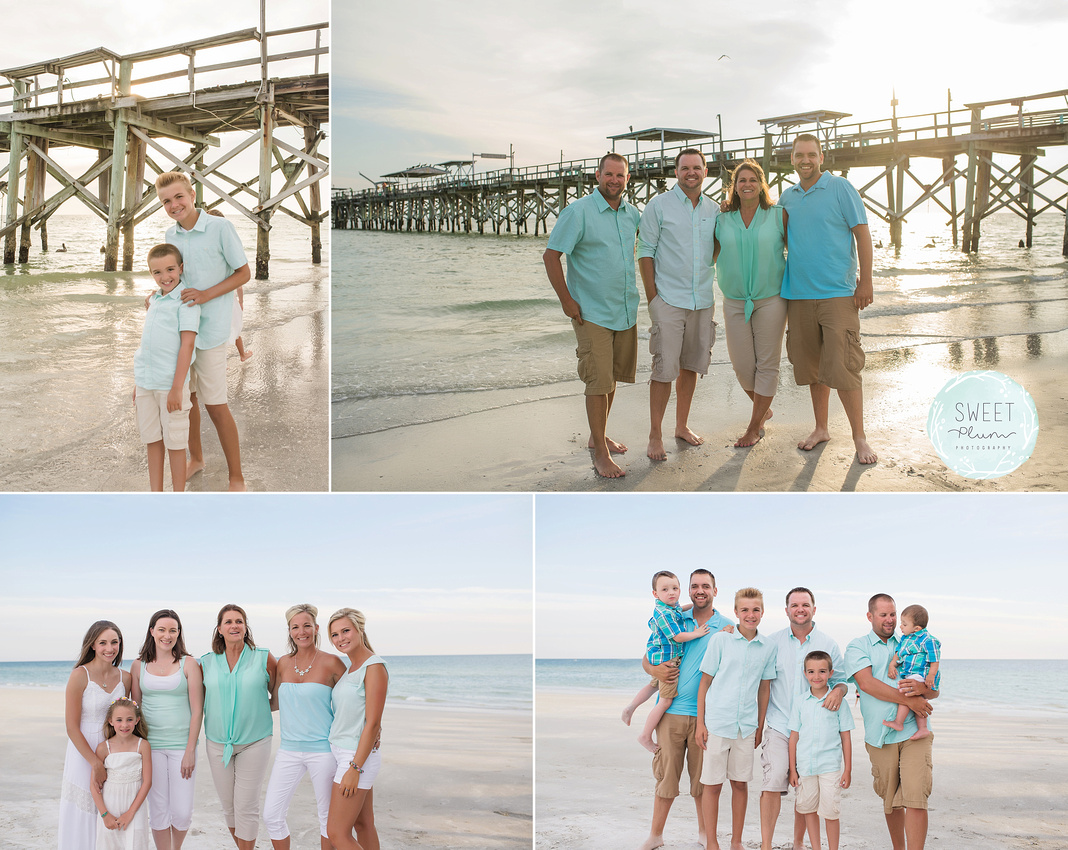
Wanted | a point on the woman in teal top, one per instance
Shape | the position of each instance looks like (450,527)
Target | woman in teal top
(358,700)
(168,685)
(750,261)
(238,679)
(306,677)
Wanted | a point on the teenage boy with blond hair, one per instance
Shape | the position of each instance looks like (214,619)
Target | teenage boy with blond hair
(732,701)
(215,265)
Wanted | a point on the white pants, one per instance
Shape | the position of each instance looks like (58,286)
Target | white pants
(288,769)
(170,799)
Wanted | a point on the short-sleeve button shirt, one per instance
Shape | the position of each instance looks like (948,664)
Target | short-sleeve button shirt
(870,651)
(681,240)
(737,666)
(685,704)
(790,684)
(819,734)
(161,339)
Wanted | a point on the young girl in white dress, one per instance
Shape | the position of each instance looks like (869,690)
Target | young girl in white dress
(96,681)
(127,757)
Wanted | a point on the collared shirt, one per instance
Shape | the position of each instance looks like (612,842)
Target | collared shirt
(790,683)
(599,244)
(666,622)
(685,704)
(237,703)
(869,651)
(737,666)
(819,738)
(916,653)
(751,261)
(156,359)
(211,252)
(681,240)
(822,260)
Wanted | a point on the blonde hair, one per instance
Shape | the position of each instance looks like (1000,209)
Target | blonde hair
(169,177)
(356,618)
(302,608)
(140,728)
(748,593)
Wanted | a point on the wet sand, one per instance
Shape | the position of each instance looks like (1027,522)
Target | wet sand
(999,784)
(450,779)
(541,445)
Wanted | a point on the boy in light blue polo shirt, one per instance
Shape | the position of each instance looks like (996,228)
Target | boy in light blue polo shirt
(821,752)
(732,701)
(215,266)
(161,369)
(918,656)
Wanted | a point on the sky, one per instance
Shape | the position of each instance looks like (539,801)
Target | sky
(132,26)
(423,82)
(989,570)
(435,575)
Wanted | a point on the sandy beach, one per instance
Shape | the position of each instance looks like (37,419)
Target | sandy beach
(540,445)
(451,779)
(1000,782)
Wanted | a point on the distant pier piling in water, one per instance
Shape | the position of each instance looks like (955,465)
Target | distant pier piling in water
(997,149)
(65,103)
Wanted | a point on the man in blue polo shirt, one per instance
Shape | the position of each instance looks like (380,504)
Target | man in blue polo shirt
(826,285)
(676,245)
(600,296)
(677,731)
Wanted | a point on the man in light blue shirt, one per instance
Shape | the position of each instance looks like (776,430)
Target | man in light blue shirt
(792,644)
(600,296)
(827,283)
(902,767)
(676,244)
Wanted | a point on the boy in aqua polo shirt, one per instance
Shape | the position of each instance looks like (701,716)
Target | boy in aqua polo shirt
(161,369)
(821,752)
(215,266)
(732,701)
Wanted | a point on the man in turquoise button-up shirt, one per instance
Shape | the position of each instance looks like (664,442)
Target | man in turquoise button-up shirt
(600,296)
(676,245)
(902,767)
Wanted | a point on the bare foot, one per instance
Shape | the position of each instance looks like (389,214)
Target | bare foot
(749,438)
(921,733)
(820,435)
(893,724)
(864,452)
(608,468)
(652,842)
(238,486)
(192,467)
(247,355)
(628,713)
(713,843)
(614,447)
(648,742)
(737,845)
(767,416)
(656,450)
(689,436)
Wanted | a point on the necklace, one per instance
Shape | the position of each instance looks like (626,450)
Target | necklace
(305,670)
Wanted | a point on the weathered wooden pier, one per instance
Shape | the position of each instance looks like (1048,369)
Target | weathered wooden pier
(990,155)
(127,112)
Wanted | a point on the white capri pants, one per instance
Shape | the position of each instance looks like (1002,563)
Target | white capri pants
(288,769)
(238,784)
(755,347)
(170,799)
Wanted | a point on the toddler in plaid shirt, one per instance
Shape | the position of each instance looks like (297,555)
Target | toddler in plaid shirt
(917,657)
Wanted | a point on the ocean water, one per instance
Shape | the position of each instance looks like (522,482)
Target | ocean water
(428,326)
(1027,687)
(473,682)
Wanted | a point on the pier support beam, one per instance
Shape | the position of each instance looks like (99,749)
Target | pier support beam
(14,166)
(263,237)
(311,133)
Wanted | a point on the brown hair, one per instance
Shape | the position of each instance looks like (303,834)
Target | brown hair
(218,642)
(140,728)
(818,655)
(87,652)
(148,648)
(691,152)
(164,249)
(613,155)
(663,574)
(765,192)
(916,613)
(806,137)
(876,599)
(791,592)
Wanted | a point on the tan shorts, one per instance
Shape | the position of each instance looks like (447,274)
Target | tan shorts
(156,423)
(902,774)
(679,339)
(820,794)
(677,736)
(727,758)
(207,375)
(605,356)
(667,690)
(775,760)
(823,342)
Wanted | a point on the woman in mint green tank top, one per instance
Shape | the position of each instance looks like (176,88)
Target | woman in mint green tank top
(750,241)
(358,700)
(168,686)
